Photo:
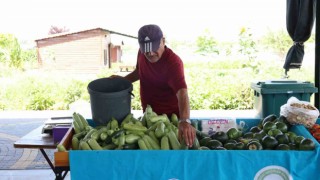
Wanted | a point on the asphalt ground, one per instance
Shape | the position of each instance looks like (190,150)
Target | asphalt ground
(13,126)
(17,158)
(23,163)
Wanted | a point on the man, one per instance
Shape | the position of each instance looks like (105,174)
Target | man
(162,81)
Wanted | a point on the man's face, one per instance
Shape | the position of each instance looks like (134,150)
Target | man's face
(155,56)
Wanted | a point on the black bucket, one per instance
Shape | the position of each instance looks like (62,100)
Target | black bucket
(110,97)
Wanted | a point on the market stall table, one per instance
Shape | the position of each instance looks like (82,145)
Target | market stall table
(36,140)
(197,164)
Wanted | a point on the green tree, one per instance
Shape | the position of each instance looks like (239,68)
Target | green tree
(248,48)
(206,44)
(29,57)
(277,41)
(247,44)
(10,50)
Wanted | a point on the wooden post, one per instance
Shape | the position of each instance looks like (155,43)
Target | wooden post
(317,55)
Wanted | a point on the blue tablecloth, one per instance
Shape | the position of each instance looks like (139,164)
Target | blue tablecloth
(197,164)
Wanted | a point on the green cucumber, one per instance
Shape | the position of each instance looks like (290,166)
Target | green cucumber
(94,144)
(153,136)
(159,131)
(165,143)
(174,142)
(142,144)
(154,119)
(76,127)
(174,119)
(103,136)
(121,141)
(88,135)
(114,124)
(147,143)
(75,143)
(127,119)
(80,135)
(152,143)
(109,146)
(134,127)
(61,148)
(78,121)
(84,145)
(83,120)
(132,138)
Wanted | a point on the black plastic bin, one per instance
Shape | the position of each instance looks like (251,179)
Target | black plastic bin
(110,97)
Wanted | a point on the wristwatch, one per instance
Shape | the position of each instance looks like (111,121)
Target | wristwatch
(186,120)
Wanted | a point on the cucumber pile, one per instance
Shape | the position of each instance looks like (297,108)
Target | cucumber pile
(272,133)
(159,132)
(149,132)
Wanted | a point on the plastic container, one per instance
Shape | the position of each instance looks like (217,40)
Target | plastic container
(59,131)
(272,94)
(110,97)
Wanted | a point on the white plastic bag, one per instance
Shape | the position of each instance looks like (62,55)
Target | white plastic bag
(299,112)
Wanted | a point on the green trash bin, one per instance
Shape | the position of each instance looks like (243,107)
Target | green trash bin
(270,95)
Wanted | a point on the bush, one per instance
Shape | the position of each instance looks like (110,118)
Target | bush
(278,42)
(211,85)
(34,92)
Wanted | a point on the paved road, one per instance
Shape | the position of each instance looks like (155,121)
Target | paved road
(14,125)
(15,158)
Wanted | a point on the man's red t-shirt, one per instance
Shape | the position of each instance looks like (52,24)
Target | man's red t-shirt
(160,82)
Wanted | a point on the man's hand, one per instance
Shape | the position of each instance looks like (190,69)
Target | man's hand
(186,133)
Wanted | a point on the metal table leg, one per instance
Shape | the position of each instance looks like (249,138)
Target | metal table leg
(58,173)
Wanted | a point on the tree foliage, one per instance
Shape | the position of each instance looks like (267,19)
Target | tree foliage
(10,50)
(248,48)
(277,41)
(207,44)
(247,44)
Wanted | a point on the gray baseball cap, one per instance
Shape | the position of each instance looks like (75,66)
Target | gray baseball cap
(149,37)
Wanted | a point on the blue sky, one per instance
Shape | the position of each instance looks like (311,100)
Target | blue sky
(180,20)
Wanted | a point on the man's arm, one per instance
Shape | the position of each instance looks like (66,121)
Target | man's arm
(186,130)
(183,102)
(133,76)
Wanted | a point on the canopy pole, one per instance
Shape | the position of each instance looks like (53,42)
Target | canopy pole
(317,55)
